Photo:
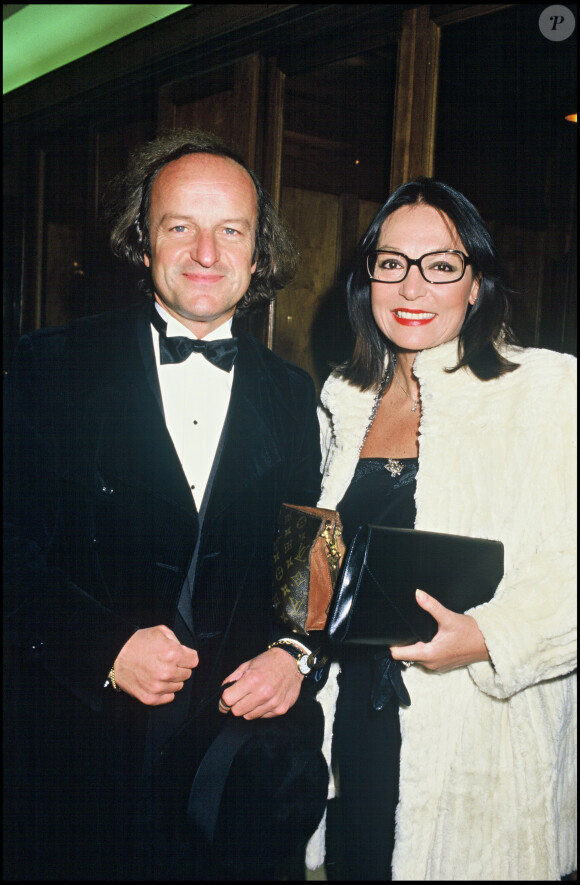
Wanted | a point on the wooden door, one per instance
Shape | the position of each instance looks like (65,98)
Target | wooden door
(335,170)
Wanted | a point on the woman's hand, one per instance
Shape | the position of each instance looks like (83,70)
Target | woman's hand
(457,643)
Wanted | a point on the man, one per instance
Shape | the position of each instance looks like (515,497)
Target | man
(145,485)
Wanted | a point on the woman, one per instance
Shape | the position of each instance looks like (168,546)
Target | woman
(439,422)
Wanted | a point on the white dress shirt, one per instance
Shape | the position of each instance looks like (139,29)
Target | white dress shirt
(196,395)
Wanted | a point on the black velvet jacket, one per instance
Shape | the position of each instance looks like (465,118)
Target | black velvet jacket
(101,529)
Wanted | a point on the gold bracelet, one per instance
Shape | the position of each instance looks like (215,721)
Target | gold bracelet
(111,678)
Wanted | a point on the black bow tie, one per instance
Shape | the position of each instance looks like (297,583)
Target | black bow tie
(176,349)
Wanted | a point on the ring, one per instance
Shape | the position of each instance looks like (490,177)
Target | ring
(223,706)
(407,663)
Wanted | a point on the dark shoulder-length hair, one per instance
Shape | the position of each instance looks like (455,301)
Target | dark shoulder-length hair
(486,322)
(128,201)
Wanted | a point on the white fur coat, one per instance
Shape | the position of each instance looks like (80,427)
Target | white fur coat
(488,758)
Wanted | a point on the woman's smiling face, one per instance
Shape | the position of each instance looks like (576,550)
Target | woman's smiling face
(414,314)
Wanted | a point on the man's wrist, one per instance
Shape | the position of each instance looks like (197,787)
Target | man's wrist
(111,679)
(306,660)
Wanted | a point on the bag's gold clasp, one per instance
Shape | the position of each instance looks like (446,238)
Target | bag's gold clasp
(331,534)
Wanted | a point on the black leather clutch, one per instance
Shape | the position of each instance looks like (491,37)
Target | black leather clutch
(374,602)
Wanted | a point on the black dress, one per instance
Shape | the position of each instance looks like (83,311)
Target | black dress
(367,743)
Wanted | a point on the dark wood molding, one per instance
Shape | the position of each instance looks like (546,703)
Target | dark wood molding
(451,13)
(272,156)
(415,99)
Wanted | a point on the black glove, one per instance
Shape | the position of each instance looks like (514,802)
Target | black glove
(387,678)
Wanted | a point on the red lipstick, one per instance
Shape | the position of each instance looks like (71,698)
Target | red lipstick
(407,317)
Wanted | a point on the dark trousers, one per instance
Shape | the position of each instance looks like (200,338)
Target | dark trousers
(366,752)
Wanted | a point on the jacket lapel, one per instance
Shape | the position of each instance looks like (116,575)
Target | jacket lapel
(136,447)
(249,446)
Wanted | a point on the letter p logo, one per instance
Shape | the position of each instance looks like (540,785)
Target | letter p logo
(557,23)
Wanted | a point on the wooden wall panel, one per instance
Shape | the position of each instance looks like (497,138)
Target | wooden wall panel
(225,102)
(212,114)
(65,284)
(367,209)
(314,218)
(311,324)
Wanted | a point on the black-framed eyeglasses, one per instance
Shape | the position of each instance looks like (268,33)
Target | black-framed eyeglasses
(436,267)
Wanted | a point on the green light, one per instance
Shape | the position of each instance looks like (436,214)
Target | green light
(40,38)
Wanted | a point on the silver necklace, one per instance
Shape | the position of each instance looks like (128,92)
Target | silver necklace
(376,403)
(394,467)
(413,400)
